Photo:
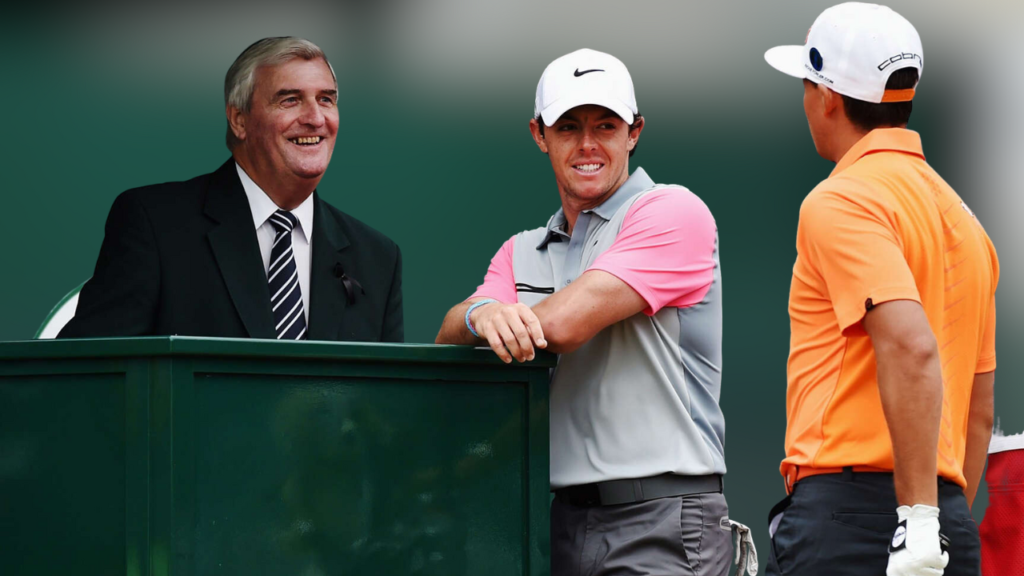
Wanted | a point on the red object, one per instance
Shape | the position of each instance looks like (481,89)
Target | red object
(1002,530)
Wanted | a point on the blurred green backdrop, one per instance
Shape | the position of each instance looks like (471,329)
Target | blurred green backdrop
(434,148)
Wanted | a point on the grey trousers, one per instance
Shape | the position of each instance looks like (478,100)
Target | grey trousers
(678,536)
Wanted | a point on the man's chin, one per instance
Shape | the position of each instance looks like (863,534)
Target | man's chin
(309,172)
(591,190)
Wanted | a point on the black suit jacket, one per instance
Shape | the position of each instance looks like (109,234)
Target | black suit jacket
(183,258)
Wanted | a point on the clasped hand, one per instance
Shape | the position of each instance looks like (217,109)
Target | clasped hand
(511,330)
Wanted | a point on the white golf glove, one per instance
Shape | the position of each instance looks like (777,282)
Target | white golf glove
(917,547)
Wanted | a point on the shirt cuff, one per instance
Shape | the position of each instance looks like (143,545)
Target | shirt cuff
(486,294)
(851,315)
(639,287)
(986,365)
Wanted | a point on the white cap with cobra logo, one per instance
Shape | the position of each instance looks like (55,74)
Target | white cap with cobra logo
(853,48)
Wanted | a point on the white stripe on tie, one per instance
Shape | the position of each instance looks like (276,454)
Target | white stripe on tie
(287,283)
(285,331)
(285,297)
(286,252)
(289,315)
(284,222)
(280,236)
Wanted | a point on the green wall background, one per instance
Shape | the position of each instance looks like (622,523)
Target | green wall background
(434,150)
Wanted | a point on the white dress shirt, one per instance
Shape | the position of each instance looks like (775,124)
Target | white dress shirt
(262,208)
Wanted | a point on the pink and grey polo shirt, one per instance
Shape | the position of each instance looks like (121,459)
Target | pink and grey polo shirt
(641,397)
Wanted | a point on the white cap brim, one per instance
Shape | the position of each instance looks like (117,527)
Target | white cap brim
(788,60)
(552,113)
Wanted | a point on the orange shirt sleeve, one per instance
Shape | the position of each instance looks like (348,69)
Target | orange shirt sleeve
(852,243)
(987,357)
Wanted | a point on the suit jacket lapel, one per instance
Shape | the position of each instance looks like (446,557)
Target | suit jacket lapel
(327,297)
(237,251)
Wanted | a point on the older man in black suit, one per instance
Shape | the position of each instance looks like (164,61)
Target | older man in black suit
(250,250)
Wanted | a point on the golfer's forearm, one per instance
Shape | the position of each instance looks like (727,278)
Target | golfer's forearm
(910,383)
(979,432)
(563,329)
(978,438)
(453,329)
(594,301)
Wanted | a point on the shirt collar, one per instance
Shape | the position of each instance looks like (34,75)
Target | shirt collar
(881,140)
(262,207)
(636,183)
(556,229)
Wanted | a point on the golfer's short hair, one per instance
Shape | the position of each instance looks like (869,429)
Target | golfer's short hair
(868,116)
(240,81)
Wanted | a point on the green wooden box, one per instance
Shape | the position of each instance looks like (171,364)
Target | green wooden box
(196,456)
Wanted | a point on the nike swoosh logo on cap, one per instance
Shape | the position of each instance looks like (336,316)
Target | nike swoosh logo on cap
(577,73)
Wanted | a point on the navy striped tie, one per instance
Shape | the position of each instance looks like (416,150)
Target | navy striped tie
(283,275)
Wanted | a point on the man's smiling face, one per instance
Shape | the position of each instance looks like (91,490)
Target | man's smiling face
(589,151)
(292,123)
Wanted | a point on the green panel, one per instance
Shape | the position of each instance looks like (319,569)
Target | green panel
(538,475)
(171,480)
(62,474)
(255,348)
(358,476)
(188,456)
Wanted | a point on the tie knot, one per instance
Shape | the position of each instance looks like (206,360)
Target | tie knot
(283,221)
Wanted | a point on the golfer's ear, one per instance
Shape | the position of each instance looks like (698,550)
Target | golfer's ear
(538,135)
(831,101)
(634,131)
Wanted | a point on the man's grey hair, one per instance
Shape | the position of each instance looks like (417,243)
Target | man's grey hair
(240,81)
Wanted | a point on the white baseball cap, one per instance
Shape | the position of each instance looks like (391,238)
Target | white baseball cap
(853,48)
(585,77)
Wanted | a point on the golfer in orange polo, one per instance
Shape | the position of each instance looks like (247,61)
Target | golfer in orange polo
(892,312)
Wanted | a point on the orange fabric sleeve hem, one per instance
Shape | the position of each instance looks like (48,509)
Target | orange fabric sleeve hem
(850,318)
(986,365)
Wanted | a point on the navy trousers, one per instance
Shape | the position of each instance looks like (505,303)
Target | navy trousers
(841,524)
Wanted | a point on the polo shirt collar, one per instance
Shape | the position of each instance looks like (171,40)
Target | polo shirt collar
(556,229)
(635,184)
(262,207)
(881,140)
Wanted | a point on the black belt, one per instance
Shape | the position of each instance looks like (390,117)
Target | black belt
(615,492)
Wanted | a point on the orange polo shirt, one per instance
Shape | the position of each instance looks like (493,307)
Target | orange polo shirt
(884,226)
